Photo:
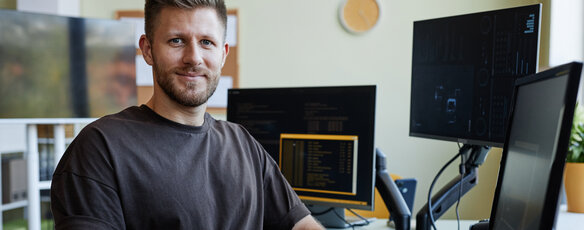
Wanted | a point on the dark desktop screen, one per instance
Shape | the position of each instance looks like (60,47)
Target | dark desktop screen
(322,137)
(528,164)
(64,67)
(463,73)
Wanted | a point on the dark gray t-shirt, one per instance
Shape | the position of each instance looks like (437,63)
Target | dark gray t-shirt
(138,170)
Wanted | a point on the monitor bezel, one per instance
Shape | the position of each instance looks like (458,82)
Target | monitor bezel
(550,206)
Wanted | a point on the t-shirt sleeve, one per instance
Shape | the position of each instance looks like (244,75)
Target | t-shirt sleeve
(83,194)
(283,208)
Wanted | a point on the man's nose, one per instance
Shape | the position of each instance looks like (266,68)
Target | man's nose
(192,55)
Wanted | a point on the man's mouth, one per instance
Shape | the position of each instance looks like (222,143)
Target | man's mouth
(191,74)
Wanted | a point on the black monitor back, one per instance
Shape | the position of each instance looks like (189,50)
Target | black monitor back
(535,150)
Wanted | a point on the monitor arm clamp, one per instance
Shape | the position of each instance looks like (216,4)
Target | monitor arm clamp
(391,195)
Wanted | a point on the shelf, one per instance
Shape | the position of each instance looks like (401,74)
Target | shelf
(21,151)
(32,156)
(14,205)
(45,185)
(47,121)
(44,140)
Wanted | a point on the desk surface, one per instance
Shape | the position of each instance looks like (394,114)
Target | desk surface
(566,221)
(440,224)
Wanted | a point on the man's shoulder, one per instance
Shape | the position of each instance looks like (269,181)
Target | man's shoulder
(115,121)
(226,126)
(130,113)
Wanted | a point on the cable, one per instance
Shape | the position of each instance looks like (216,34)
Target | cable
(360,217)
(343,219)
(432,186)
(321,213)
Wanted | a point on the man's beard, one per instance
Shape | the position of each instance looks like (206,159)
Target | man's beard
(188,96)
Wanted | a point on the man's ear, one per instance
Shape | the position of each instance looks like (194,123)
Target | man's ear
(146,49)
(225,53)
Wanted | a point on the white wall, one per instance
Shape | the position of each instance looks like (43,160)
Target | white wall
(566,31)
(57,7)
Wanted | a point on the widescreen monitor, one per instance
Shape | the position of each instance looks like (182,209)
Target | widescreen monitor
(322,138)
(64,67)
(535,150)
(463,70)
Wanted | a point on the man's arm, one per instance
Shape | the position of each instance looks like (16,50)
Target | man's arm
(307,223)
(83,190)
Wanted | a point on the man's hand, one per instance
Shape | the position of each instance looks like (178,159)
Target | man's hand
(307,223)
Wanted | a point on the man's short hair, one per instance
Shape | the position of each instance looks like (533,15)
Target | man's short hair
(152,10)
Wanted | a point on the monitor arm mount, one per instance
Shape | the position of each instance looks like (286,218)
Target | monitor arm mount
(392,197)
(473,156)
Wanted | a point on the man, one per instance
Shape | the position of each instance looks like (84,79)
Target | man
(168,164)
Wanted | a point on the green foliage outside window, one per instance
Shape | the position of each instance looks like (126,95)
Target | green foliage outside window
(576,149)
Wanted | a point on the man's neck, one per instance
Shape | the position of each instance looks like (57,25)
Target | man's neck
(169,109)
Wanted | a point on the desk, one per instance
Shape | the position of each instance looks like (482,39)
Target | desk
(381,224)
(565,221)
(569,220)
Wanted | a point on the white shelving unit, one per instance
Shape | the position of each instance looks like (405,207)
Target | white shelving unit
(9,206)
(31,155)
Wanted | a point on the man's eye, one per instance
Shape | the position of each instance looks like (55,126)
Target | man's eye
(206,42)
(176,41)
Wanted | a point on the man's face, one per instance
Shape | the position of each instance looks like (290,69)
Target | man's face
(187,53)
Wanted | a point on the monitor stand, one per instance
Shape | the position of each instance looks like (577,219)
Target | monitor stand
(331,217)
(473,155)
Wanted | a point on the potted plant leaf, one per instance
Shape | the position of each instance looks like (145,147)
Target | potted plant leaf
(574,171)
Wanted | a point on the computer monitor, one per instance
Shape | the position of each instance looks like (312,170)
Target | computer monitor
(535,150)
(463,71)
(322,138)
